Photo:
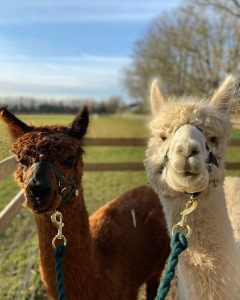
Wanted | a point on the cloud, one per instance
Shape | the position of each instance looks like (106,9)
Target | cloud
(65,76)
(61,77)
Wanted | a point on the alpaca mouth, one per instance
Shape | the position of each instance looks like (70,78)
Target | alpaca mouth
(39,205)
(187,181)
(39,209)
(189,174)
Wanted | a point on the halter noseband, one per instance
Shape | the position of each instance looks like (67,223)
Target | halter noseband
(62,182)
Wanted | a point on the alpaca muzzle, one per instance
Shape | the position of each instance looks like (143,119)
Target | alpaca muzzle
(40,190)
(187,151)
(188,160)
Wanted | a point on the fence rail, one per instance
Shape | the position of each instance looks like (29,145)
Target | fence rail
(10,210)
(127,142)
(8,166)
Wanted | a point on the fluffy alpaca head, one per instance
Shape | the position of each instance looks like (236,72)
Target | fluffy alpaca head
(59,146)
(183,133)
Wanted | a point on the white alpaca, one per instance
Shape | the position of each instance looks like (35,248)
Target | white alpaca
(183,132)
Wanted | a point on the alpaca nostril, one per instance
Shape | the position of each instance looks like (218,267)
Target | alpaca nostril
(39,190)
(194,152)
(179,148)
(187,149)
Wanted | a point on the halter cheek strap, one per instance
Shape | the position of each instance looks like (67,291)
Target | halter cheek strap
(212,159)
(164,163)
(63,183)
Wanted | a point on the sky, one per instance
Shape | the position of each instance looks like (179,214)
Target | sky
(71,49)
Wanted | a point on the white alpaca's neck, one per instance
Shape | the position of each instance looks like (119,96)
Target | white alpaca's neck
(210,267)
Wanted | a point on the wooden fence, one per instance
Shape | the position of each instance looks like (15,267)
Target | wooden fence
(8,166)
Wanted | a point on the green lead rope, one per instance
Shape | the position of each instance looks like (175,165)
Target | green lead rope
(59,254)
(178,245)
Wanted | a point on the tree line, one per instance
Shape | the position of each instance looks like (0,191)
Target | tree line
(190,50)
(24,105)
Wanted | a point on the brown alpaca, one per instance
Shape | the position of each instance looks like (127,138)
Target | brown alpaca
(108,255)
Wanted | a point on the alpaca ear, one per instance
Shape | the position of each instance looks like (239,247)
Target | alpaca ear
(156,97)
(15,126)
(225,94)
(78,128)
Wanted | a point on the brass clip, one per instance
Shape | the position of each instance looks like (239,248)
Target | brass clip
(190,207)
(56,218)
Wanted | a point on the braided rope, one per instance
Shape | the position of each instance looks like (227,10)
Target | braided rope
(59,253)
(178,245)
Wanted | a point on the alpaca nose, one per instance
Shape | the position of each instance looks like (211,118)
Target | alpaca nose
(39,189)
(188,148)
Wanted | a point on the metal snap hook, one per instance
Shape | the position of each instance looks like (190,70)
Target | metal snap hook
(56,218)
(191,205)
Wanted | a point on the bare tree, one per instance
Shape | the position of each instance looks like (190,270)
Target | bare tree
(230,6)
(188,50)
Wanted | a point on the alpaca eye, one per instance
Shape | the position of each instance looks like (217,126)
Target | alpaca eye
(213,139)
(69,162)
(163,137)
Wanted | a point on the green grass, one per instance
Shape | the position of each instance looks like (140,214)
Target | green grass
(18,245)
(236,133)
(8,189)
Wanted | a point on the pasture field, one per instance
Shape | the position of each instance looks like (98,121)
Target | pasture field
(19,277)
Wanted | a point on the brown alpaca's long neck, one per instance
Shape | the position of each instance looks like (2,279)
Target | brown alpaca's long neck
(78,258)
